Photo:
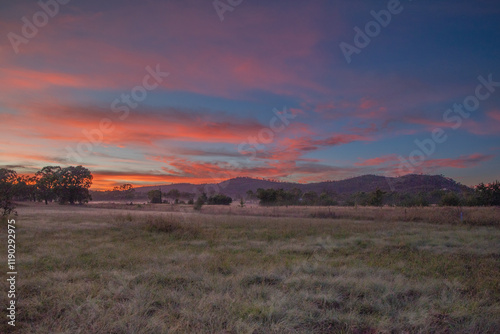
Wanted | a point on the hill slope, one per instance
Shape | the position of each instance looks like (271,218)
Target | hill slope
(408,184)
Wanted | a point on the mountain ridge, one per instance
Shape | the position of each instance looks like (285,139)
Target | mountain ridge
(407,184)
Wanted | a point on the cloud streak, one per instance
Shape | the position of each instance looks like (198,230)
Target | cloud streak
(225,78)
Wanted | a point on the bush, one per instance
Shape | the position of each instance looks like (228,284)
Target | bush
(488,194)
(219,199)
(413,201)
(267,196)
(450,199)
(323,214)
(198,204)
(170,225)
(162,224)
(377,198)
(155,196)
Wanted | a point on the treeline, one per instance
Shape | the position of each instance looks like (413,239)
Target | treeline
(126,192)
(122,192)
(156,196)
(294,196)
(482,195)
(173,196)
(51,183)
(216,199)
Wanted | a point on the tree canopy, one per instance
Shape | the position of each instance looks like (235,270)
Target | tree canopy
(155,196)
(73,185)
(47,179)
(66,185)
(7,190)
(219,199)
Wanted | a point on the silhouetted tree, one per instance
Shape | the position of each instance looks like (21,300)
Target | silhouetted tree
(377,198)
(326,200)
(250,194)
(202,199)
(125,191)
(25,188)
(174,194)
(46,182)
(73,185)
(488,194)
(310,197)
(450,199)
(295,195)
(7,190)
(267,196)
(155,196)
(219,199)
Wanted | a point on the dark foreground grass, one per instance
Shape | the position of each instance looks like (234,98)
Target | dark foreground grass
(87,270)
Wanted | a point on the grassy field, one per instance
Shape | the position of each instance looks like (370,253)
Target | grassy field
(164,269)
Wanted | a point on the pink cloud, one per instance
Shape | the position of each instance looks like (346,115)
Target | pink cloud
(390,164)
(268,55)
(365,108)
(464,161)
(61,123)
(378,161)
(494,114)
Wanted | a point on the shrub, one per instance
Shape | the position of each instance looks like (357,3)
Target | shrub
(198,204)
(323,214)
(377,198)
(170,225)
(155,196)
(488,194)
(219,199)
(450,199)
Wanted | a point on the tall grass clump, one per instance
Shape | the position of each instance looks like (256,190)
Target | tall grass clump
(171,225)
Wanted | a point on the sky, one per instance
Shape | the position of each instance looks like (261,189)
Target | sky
(200,91)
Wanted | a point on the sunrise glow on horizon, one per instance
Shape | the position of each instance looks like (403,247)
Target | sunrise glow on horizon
(181,91)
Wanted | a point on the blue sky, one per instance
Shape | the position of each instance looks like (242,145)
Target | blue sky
(226,77)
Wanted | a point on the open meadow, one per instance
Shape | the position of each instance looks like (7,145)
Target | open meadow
(170,269)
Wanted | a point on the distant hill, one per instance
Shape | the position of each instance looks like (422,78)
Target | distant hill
(408,184)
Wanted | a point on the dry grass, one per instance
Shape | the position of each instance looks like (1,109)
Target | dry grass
(106,270)
(478,216)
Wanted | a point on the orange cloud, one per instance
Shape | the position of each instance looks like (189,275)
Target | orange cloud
(67,124)
(19,78)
